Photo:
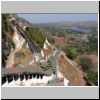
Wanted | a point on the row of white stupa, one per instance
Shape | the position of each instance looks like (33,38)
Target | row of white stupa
(39,56)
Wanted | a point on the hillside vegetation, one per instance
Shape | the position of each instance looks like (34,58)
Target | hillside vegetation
(36,36)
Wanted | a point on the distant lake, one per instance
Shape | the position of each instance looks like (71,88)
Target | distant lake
(84,30)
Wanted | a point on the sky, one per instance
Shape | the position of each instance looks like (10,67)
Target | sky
(45,18)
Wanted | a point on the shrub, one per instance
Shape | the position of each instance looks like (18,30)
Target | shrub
(85,63)
(92,77)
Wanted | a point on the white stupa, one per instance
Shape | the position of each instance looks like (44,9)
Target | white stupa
(46,44)
(46,41)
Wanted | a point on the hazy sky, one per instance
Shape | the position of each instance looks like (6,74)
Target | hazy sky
(44,18)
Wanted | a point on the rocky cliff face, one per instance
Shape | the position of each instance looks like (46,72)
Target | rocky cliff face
(7,38)
(12,41)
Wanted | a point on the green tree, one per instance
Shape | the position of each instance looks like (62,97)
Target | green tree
(93,42)
(71,53)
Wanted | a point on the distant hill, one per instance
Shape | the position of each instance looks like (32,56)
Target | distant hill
(86,24)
